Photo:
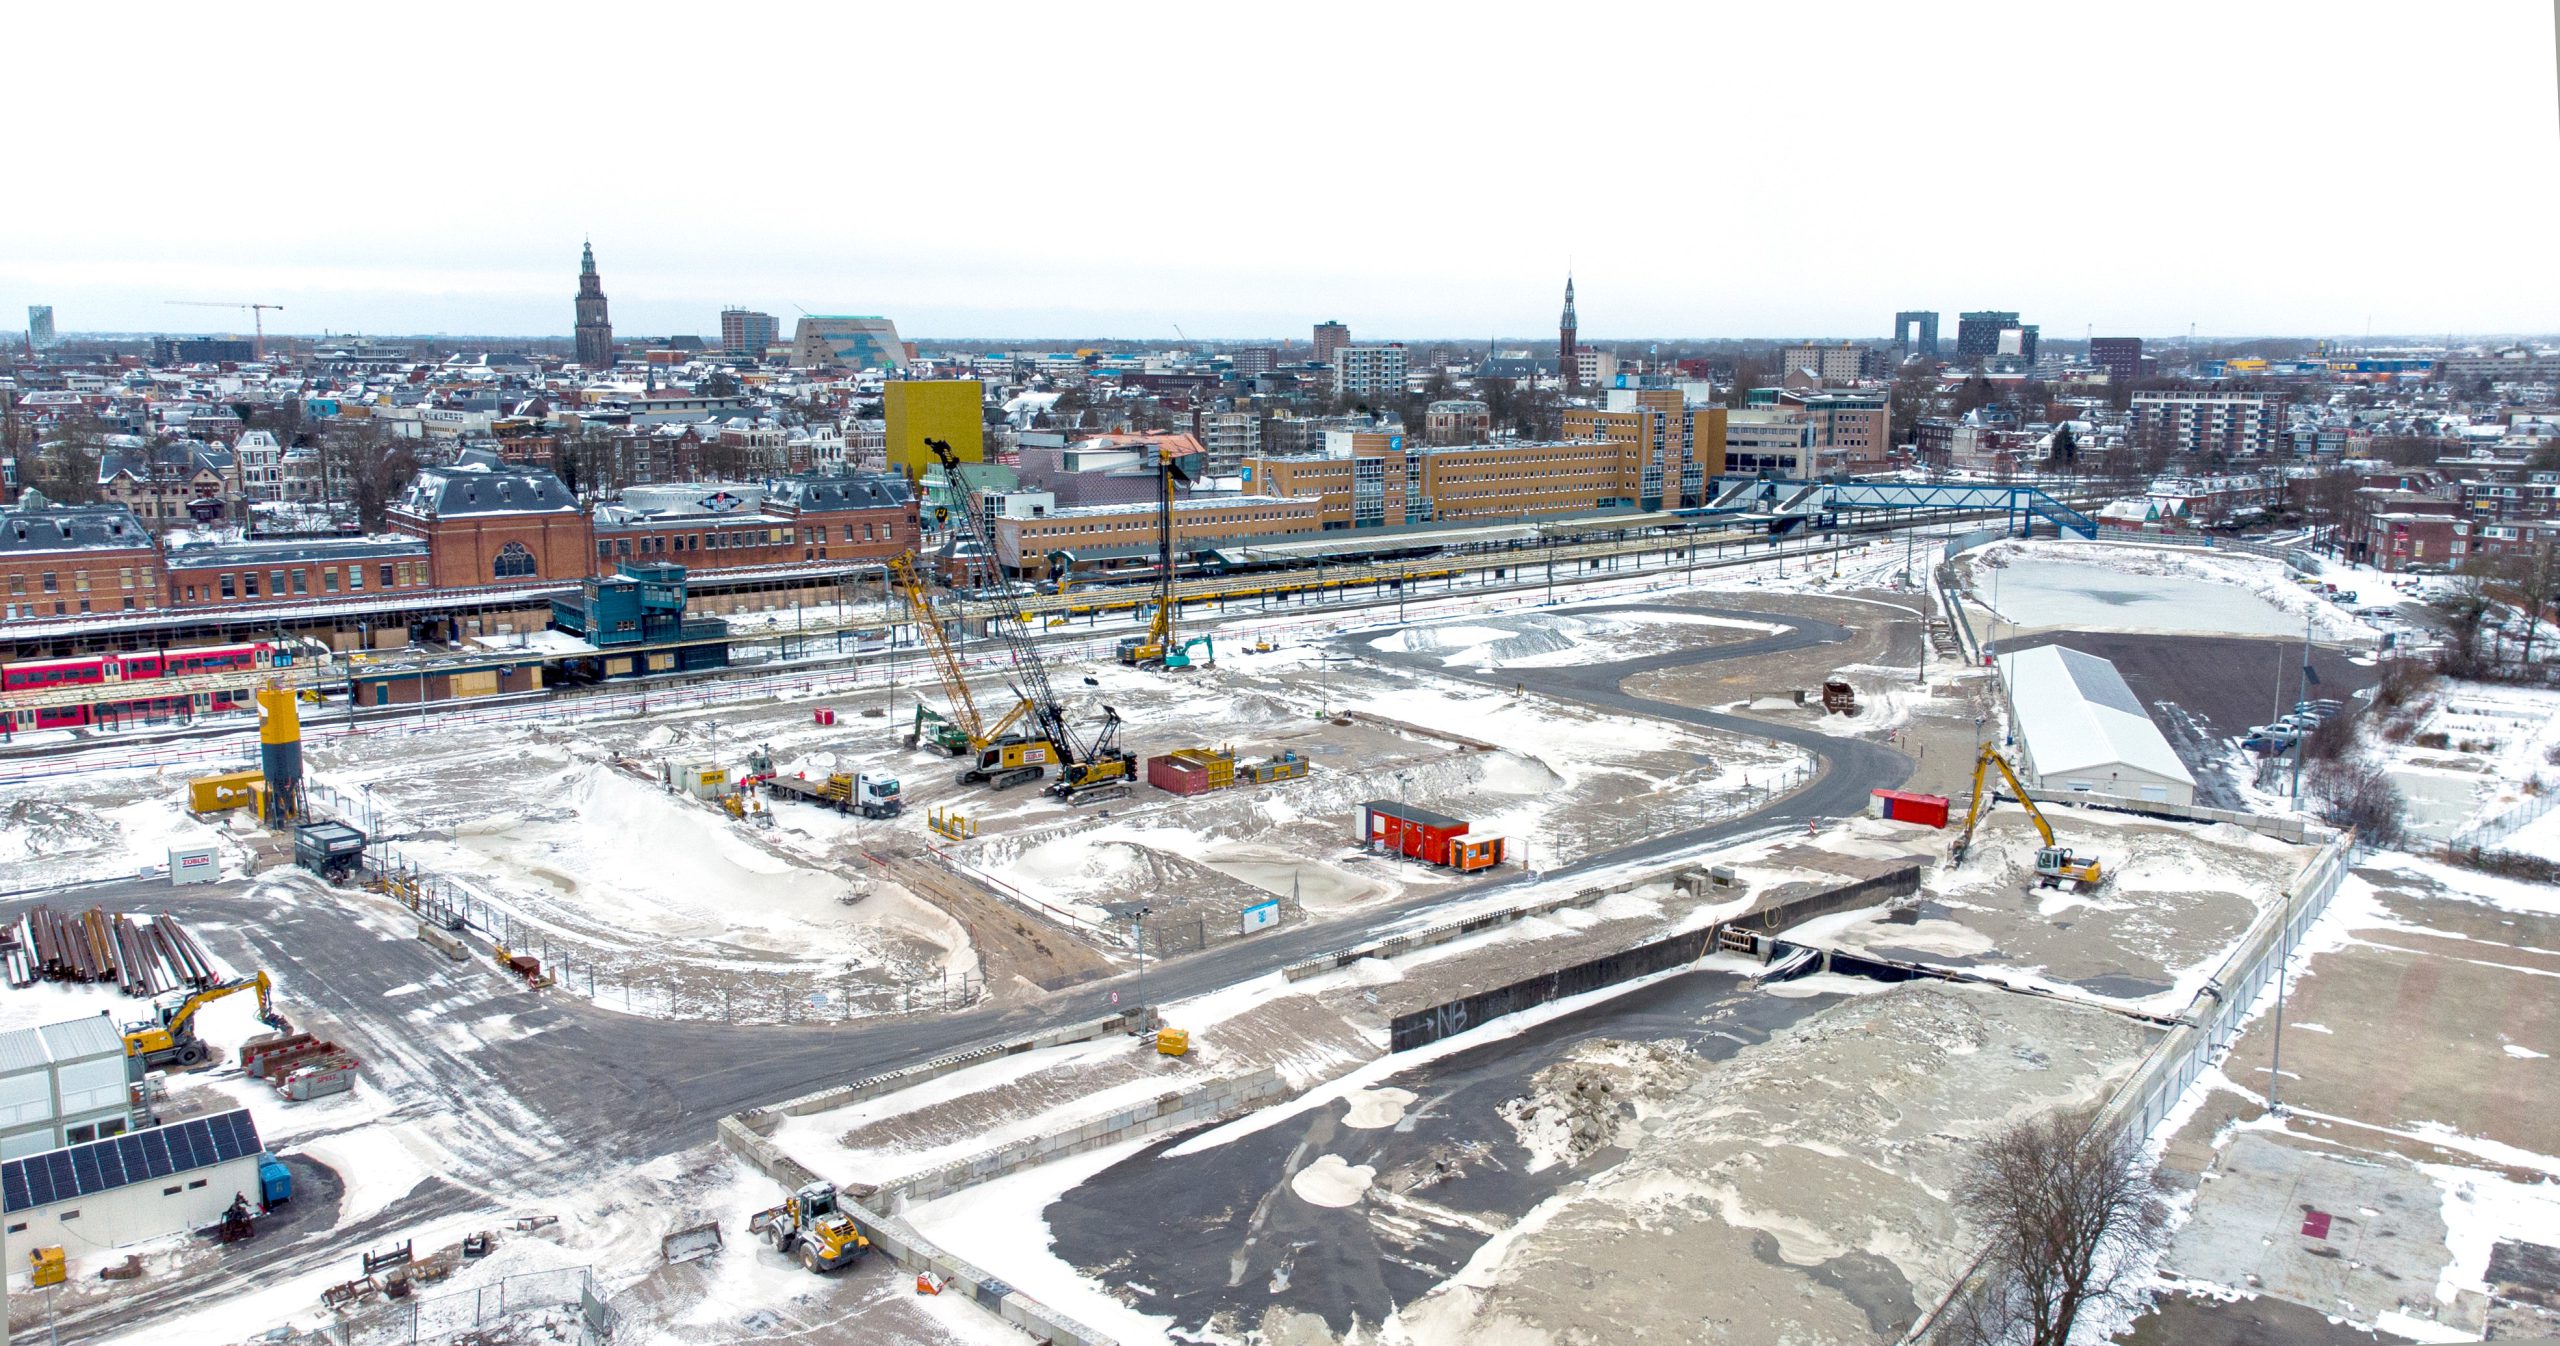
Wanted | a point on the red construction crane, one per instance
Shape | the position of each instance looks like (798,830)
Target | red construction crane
(257,317)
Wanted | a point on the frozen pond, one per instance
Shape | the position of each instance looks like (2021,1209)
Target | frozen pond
(2093,596)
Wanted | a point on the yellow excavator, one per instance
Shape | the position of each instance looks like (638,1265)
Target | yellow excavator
(170,1041)
(2055,865)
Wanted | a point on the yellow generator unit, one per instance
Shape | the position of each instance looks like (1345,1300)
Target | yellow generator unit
(223,793)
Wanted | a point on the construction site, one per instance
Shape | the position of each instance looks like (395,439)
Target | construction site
(1644,957)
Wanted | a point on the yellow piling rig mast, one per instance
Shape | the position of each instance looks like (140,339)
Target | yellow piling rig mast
(1090,766)
(1156,649)
(2055,865)
(1003,758)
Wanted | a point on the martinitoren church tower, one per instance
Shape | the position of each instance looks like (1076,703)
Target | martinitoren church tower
(595,330)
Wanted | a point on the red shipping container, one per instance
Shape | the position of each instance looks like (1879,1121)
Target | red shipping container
(825,715)
(1174,777)
(1905,807)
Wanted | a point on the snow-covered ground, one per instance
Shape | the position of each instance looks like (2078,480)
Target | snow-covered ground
(2116,586)
(1565,638)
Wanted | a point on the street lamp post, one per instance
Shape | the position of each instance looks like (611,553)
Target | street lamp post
(1139,920)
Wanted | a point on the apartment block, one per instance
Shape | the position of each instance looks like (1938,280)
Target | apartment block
(2121,357)
(2233,423)
(747,332)
(1369,370)
(1846,362)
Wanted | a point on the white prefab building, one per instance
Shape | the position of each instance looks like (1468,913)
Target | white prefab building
(149,1184)
(2080,729)
(61,1084)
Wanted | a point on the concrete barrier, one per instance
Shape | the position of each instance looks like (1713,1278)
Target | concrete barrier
(1214,1101)
(442,942)
(1425,1026)
(2299,830)
(1442,934)
(872,1086)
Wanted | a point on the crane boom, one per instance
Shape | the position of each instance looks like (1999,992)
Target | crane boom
(1157,646)
(1084,764)
(946,661)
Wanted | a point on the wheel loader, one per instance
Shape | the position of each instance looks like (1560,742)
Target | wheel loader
(812,1227)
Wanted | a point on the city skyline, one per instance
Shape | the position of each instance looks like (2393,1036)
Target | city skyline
(2238,207)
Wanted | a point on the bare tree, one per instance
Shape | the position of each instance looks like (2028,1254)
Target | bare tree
(2353,792)
(366,467)
(2533,575)
(2070,1213)
(64,463)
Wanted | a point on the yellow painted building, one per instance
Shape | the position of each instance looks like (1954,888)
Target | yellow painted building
(946,409)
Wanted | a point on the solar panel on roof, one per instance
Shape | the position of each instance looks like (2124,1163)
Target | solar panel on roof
(118,1161)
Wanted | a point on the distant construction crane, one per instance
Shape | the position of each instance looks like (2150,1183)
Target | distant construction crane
(257,317)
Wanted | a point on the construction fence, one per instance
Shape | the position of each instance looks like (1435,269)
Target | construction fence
(2214,1022)
(563,1305)
(2146,1101)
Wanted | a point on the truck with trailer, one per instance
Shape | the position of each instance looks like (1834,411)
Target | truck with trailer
(866,794)
(1422,834)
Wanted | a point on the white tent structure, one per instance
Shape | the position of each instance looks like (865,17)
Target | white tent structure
(2081,729)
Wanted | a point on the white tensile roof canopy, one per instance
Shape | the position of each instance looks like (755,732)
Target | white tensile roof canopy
(2077,715)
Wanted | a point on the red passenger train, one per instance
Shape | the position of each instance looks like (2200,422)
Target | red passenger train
(129,676)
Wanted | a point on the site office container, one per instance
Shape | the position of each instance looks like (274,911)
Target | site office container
(1902,806)
(1421,834)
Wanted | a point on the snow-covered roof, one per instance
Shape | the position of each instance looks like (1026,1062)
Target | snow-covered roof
(2078,715)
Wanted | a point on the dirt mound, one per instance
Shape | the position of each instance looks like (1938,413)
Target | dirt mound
(40,827)
(1596,1097)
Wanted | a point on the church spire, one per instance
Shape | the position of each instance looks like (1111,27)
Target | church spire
(1568,349)
(587,267)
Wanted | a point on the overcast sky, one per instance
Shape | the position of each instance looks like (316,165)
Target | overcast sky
(1243,171)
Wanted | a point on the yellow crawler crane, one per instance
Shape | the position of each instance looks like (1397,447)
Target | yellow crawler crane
(1002,757)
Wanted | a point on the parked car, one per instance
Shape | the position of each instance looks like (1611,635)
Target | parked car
(2278,732)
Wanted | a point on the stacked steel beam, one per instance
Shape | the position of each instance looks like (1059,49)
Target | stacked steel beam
(143,958)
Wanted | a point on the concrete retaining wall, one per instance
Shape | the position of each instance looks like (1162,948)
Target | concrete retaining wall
(1442,934)
(842,1095)
(1425,1026)
(2301,831)
(1214,1101)
(1898,882)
